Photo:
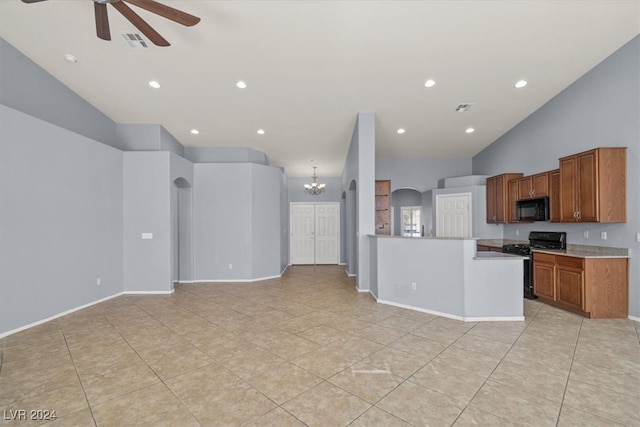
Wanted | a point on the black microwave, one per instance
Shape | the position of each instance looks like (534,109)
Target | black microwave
(533,209)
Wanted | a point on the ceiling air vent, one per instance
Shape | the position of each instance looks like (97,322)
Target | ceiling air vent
(135,41)
(461,108)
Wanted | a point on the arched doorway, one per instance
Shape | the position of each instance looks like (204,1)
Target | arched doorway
(181,231)
(407,212)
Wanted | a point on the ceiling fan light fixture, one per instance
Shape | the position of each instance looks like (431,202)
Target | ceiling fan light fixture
(154,84)
(430,83)
(520,84)
(260,132)
(241,85)
(195,131)
(470,130)
(400,131)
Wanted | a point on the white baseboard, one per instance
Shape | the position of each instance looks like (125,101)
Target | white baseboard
(495,319)
(342,263)
(149,292)
(361,290)
(55,316)
(64,313)
(350,274)
(453,316)
(634,318)
(373,295)
(423,310)
(238,280)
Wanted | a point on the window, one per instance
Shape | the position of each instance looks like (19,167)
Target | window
(411,223)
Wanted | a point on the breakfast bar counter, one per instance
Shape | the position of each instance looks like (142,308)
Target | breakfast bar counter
(446,277)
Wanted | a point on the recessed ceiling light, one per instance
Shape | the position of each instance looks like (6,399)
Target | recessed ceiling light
(429,83)
(470,130)
(401,131)
(521,83)
(260,131)
(241,85)
(70,58)
(195,131)
(154,84)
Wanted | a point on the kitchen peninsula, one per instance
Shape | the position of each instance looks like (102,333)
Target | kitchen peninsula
(446,277)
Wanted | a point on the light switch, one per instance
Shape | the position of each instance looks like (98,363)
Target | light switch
(147,236)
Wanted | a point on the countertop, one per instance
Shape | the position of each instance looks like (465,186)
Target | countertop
(577,251)
(498,256)
(600,252)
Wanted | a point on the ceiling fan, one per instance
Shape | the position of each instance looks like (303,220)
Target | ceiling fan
(102,19)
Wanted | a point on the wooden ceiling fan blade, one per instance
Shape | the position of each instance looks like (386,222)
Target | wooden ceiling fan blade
(102,21)
(140,24)
(166,11)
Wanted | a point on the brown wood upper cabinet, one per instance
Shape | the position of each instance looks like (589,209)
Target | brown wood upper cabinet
(383,207)
(554,195)
(498,201)
(534,186)
(593,186)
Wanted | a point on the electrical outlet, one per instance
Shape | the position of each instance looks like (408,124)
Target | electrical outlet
(586,234)
(98,281)
(413,285)
(517,232)
(638,237)
(230,266)
(603,235)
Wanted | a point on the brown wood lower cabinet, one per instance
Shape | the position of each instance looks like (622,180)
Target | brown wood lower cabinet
(544,273)
(593,287)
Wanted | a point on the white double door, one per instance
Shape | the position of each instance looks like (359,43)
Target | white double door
(315,233)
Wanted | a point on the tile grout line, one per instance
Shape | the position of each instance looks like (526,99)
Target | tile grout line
(75,368)
(494,369)
(566,386)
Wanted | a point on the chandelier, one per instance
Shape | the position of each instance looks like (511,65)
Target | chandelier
(314,188)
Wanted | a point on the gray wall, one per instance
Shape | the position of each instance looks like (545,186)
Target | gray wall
(26,87)
(169,143)
(61,205)
(600,109)
(420,174)
(360,169)
(181,178)
(147,263)
(284,221)
(265,221)
(427,213)
(222,221)
(225,155)
(237,221)
(147,137)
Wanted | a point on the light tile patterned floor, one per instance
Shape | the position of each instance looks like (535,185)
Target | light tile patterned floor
(307,349)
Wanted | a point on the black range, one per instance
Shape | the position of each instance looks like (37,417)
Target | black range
(537,240)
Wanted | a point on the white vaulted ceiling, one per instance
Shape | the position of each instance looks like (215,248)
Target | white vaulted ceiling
(311,66)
